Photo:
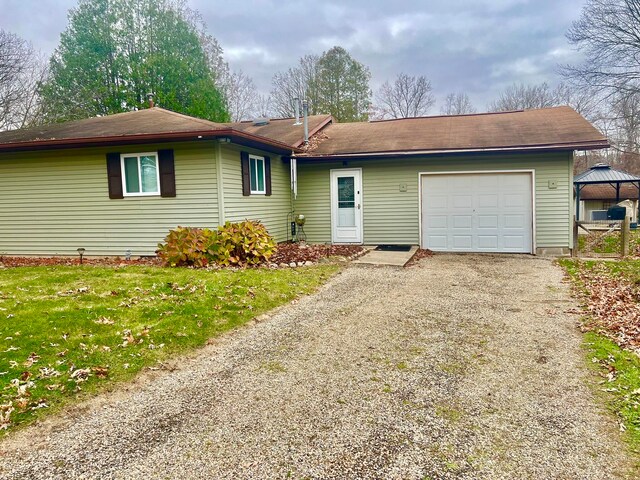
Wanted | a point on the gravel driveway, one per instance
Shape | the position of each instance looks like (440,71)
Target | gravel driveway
(463,366)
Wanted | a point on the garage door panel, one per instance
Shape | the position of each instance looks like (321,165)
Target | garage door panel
(459,182)
(489,212)
(515,242)
(488,242)
(462,242)
(434,201)
(462,221)
(514,221)
(488,200)
(437,221)
(487,221)
(462,201)
(438,242)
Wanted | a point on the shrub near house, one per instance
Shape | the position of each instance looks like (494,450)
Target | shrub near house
(243,243)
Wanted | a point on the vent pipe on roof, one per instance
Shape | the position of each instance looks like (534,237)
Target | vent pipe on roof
(305,115)
(296,102)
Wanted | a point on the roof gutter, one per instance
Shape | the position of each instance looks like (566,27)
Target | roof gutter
(598,144)
(237,135)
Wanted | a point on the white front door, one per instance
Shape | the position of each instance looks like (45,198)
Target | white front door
(478,212)
(346,206)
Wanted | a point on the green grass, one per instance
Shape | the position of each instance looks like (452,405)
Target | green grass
(622,393)
(627,269)
(70,331)
(610,244)
(620,389)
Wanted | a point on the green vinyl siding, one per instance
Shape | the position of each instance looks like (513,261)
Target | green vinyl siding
(271,210)
(53,202)
(392,216)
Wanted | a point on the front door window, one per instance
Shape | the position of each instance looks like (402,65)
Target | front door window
(346,202)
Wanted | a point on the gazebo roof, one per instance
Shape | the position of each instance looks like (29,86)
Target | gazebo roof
(603,173)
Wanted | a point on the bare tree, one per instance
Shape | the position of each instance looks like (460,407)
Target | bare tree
(264,106)
(457,104)
(298,82)
(21,71)
(608,34)
(408,96)
(522,97)
(241,96)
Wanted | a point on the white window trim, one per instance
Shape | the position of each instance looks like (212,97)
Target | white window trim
(264,175)
(124,178)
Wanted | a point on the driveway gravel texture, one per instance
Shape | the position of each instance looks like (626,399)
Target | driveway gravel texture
(461,366)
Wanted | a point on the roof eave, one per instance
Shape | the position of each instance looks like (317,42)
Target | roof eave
(195,135)
(595,145)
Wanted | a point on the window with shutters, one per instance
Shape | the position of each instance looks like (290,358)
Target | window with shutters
(140,174)
(257,174)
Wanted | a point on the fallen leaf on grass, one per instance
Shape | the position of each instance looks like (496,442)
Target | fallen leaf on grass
(101,372)
(104,321)
(5,415)
(48,372)
(31,359)
(80,375)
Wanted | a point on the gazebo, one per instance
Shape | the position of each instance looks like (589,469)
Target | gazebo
(603,174)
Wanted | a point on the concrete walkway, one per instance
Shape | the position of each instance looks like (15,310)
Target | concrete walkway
(459,367)
(383,257)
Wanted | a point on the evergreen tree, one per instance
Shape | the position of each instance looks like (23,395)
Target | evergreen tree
(115,52)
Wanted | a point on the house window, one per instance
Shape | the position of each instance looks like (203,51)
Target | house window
(140,174)
(256,171)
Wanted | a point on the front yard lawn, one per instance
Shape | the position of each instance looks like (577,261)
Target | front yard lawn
(610,292)
(66,331)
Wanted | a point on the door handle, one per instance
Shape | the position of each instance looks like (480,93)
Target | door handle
(358,206)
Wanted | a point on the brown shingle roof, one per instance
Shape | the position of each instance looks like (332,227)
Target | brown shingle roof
(284,129)
(542,129)
(607,192)
(150,121)
(153,124)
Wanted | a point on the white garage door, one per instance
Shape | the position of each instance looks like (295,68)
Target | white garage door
(478,212)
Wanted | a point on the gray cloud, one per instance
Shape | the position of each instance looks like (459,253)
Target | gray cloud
(475,46)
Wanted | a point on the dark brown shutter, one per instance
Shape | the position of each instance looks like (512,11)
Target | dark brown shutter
(267,175)
(246,178)
(167,173)
(114,175)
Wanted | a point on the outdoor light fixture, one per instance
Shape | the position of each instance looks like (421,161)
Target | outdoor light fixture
(127,255)
(81,253)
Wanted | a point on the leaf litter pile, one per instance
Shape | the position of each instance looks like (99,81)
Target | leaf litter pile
(67,331)
(287,253)
(613,304)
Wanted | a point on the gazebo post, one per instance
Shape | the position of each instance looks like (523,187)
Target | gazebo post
(617,193)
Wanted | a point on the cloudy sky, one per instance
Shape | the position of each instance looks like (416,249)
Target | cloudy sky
(473,46)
